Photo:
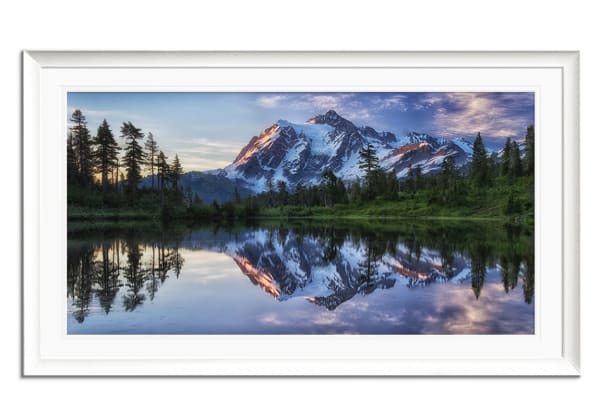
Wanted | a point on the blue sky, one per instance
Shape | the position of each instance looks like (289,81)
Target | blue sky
(207,130)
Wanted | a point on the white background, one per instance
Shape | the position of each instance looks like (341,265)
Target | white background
(305,24)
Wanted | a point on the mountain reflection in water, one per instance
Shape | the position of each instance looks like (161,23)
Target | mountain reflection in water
(304,279)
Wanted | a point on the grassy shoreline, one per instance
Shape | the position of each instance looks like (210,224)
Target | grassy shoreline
(84,219)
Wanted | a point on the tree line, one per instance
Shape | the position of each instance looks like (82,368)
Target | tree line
(99,164)
(102,173)
(505,173)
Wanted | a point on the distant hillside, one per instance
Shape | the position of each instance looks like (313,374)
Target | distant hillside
(209,187)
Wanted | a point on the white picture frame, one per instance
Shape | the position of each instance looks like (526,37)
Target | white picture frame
(552,351)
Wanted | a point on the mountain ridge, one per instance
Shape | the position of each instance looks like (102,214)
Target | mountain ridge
(298,153)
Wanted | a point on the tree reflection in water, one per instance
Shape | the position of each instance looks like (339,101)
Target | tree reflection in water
(100,269)
(323,263)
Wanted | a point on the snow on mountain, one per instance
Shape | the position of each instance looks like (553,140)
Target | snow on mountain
(300,153)
(289,266)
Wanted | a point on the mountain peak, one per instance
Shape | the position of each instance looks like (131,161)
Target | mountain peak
(333,119)
(299,153)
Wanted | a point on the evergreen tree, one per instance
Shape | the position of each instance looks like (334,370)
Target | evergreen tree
(300,195)
(410,179)
(355,193)
(513,206)
(282,193)
(506,157)
(529,151)
(419,181)
(334,188)
(134,156)
(162,170)
(106,152)
(176,172)
(71,160)
(479,164)
(116,172)
(392,186)
(379,183)
(82,148)
(368,162)
(152,154)
(516,167)
(329,185)
(451,192)
(270,191)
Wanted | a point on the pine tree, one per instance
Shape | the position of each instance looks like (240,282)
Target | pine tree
(516,167)
(368,160)
(392,186)
(410,181)
(270,191)
(333,188)
(419,180)
(152,153)
(355,195)
(453,192)
(282,193)
(82,148)
(134,156)
(71,160)
(529,151)
(479,164)
(369,163)
(106,152)
(506,157)
(162,170)
(176,172)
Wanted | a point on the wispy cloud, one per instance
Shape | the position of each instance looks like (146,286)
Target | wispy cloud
(270,101)
(399,102)
(494,115)
(208,129)
(205,152)
(349,105)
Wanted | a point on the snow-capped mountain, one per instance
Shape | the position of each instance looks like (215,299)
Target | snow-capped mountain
(300,153)
(287,265)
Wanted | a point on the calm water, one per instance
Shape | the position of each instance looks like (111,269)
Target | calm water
(403,278)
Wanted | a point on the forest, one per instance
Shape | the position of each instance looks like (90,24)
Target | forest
(105,183)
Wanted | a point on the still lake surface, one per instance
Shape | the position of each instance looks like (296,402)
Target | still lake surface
(398,277)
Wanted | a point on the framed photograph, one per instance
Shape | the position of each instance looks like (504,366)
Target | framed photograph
(300,213)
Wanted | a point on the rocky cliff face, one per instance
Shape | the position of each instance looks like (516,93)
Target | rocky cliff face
(300,153)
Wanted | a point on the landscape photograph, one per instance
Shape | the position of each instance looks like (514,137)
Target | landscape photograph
(300,213)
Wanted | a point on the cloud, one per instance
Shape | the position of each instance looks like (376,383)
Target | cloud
(394,102)
(271,101)
(348,104)
(205,153)
(271,319)
(496,115)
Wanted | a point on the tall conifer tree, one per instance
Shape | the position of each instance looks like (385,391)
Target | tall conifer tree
(369,163)
(106,152)
(176,172)
(529,151)
(152,153)
(516,166)
(480,173)
(82,147)
(134,156)
(506,157)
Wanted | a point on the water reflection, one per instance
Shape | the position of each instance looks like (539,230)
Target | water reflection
(419,271)
(102,268)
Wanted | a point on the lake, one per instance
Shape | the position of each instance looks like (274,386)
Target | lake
(337,277)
